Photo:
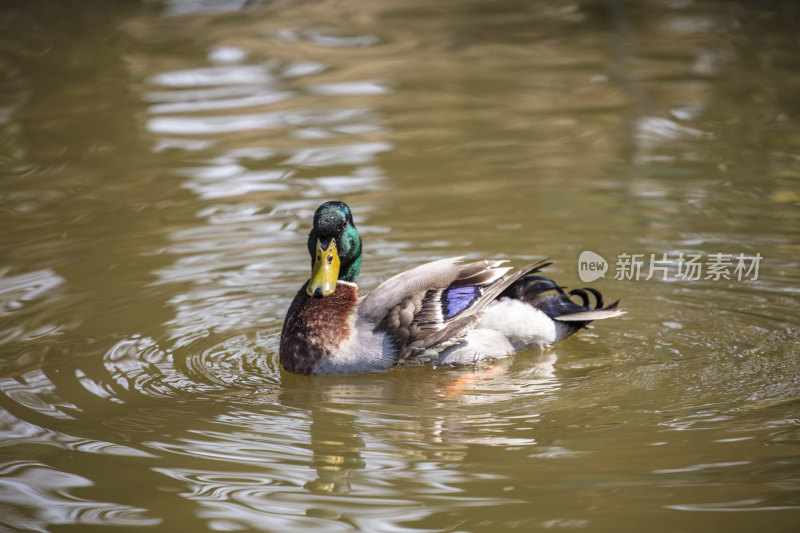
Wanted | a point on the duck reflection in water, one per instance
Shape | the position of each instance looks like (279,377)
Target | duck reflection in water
(421,415)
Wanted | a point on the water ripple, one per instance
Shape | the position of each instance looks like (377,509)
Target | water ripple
(28,293)
(17,290)
(326,39)
(748,505)
(35,391)
(210,76)
(360,88)
(251,100)
(193,125)
(327,156)
(36,496)
(16,432)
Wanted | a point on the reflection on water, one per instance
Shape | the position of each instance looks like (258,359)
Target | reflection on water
(162,162)
(24,294)
(47,491)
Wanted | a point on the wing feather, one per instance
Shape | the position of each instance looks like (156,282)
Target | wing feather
(416,307)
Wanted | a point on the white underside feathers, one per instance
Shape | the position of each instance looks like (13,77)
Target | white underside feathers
(506,327)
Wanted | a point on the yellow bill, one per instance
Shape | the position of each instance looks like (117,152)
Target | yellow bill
(325,271)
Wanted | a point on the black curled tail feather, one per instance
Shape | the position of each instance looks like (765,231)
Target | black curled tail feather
(550,298)
(582,293)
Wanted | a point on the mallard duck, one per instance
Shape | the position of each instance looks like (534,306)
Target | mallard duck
(445,312)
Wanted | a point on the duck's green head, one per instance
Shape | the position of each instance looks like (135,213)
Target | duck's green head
(335,248)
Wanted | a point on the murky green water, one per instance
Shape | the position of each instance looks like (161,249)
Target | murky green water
(160,165)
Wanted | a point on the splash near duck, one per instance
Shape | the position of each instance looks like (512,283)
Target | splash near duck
(443,312)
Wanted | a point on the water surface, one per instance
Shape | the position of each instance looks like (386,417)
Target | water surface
(161,162)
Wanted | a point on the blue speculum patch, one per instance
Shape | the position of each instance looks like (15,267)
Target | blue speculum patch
(456,300)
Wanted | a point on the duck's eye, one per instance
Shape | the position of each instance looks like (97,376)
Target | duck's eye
(330,259)
(319,257)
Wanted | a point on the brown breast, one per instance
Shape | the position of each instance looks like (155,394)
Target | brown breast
(316,327)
